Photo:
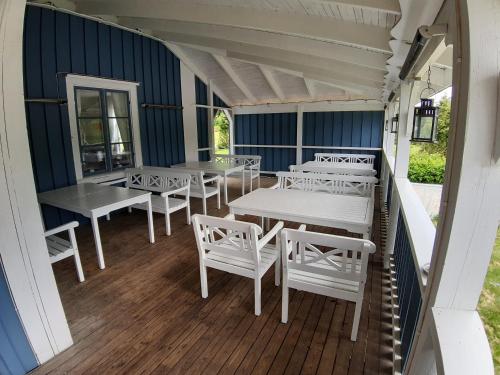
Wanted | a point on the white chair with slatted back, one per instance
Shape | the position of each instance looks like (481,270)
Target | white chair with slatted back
(60,249)
(235,247)
(325,264)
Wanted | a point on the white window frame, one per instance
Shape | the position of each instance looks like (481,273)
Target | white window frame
(73,81)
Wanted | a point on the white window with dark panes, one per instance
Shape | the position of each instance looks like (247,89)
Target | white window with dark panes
(104,126)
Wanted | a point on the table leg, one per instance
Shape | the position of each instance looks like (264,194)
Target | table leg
(150,222)
(97,240)
(225,189)
(366,235)
(243,183)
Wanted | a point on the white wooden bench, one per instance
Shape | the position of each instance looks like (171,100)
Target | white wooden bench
(251,163)
(60,248)
(166,182)
(201,186)
(363,186)
(234,246)
(331,168)
(344,158)
(325,264)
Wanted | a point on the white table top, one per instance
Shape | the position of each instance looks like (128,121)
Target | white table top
(341,168)
(211,166)
(86,198)
(338,211)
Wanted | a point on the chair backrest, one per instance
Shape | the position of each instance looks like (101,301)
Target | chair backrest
(344,158)
(329,183)
(249,161)
(156,179)
(226,237)
(196,178)
(332,170)
(326,254)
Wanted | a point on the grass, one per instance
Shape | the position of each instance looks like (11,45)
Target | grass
(489,304)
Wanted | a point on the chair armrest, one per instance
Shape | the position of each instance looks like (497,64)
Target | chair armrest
(175,191)
(269,235)
(230,217)
(302,228)
(62,228)
(275,186)
(211,179)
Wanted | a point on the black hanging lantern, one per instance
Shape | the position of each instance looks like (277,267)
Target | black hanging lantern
(395,124)
(425,117)
(386,125)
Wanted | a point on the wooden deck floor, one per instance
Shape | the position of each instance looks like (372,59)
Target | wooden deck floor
(144,312)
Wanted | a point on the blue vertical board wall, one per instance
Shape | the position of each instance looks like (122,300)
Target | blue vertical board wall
(57,43)
(218,102)
(202,118)
(362,129)
(267,129)
(16,355)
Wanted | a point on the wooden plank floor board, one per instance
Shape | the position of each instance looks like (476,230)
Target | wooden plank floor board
(144,312)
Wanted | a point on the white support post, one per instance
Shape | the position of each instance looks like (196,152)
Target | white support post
(189,113)
(211,140)
(393,227)
(405,116)
(300,119)
(230,117)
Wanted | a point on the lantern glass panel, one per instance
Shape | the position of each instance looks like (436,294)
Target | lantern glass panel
(424,122)
(395,123)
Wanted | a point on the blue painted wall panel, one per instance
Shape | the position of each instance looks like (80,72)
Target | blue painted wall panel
(16,355)
(218,102)
(202,118)
(57,43)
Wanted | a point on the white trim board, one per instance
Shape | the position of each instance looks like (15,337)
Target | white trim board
(74,80)
(324,106)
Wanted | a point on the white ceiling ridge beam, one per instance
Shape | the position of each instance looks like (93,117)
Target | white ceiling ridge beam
(271,81)
(228,47)
(386,6)
(226,66)
(309,47)
(313,27)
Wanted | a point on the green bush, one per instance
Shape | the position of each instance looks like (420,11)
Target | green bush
(426,168)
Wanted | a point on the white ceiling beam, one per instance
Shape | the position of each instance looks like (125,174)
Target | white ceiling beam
(227,48)
(226,66)
(386,6)
(309,47)
(310,87)
(271,81)
(313,27)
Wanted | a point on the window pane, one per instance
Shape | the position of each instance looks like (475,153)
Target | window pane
(93,159)
(88,103)
(119,130)
(121,155)
(117,104)
(91,131)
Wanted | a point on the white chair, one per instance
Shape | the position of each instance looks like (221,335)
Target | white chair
(235,247)
(59,248)
(166,182)
(200,186)
(251,163)
(336,270)
(344,158)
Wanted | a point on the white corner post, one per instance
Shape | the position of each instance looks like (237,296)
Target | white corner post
(23,250)
(189,113)
(470,204)
(211,140)
(300,125)
(230,117)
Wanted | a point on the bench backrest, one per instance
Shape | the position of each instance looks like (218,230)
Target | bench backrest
(344,158)
(249,161)
(156,179)
(196,177)
(326,255)
(331,170)
(363,186)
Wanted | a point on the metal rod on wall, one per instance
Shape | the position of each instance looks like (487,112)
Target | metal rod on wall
(46,101)
(161,106)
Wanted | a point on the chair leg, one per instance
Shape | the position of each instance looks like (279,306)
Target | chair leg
(204,206)
(357,316)
(188,213)
(258,181)
(257,283)
(251,183)
(129,208)
(78,265)
(167,223)
(277,270)
(203,280)
(284,301)
(218,197)
(108,217)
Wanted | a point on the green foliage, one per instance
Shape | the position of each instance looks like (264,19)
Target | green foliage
(489,304)
(443,127)
(425,167)
(221,127)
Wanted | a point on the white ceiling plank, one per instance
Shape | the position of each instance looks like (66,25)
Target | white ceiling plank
(227,47)
(386,6)
(234,76)
(310,47)
(320,28)
(272,82)
(310,87)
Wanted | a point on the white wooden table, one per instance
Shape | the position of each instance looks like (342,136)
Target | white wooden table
(357,169)
(94,201)
(223,169)
(351,213)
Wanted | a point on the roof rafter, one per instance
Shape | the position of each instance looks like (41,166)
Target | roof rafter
(320,28)
(268,75)
(310,87)
(226,66)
